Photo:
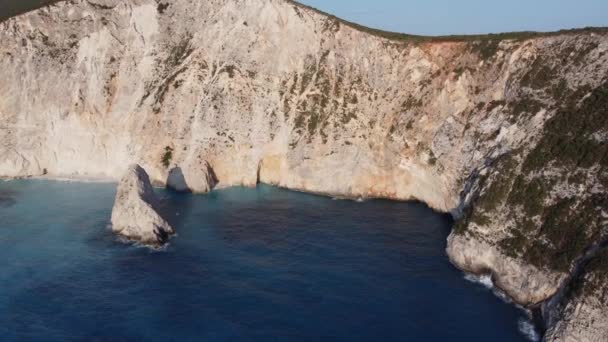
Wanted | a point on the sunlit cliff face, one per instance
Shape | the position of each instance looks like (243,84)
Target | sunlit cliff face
(241,92)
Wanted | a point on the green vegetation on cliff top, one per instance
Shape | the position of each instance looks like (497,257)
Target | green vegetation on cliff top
(28,5)
(404,37)
(552,234)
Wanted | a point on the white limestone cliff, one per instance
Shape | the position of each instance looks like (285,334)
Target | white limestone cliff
(248,91)
(197,178)
(525,283)
(135,214)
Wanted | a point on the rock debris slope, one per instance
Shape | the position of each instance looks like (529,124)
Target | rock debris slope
(135,215)
(508,133)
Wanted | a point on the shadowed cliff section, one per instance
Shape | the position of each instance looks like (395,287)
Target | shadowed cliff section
(11,8)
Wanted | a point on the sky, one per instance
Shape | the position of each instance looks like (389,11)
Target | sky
(443,17)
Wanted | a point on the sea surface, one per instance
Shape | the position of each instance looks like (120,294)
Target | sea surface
(260,264)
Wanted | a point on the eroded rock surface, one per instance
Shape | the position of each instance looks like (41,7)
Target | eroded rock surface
(581,314)
(197,178)
(135,215)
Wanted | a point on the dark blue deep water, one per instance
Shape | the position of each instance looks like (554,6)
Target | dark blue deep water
(247,265)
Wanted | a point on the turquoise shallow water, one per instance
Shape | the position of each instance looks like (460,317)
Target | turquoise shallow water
(247,265)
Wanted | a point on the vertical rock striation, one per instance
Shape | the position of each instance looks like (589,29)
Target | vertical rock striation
(579,313)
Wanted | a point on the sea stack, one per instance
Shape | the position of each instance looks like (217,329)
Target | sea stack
(135,214)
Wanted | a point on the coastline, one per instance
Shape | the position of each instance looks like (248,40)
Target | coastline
(534,327)
(66,178)
(485,279)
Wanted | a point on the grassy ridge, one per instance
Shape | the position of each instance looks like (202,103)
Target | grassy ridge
(17,7)
(404,37)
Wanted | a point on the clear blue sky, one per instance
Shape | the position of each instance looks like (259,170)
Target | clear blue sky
(439,17)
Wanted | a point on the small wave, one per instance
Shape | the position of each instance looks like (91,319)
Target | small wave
(528,330)
(138,245)
(525,326)
(76,179)
(151,249)
(498,293)
(484,279)
(159,249)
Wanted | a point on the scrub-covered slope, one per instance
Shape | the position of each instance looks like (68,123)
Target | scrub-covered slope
(508,133)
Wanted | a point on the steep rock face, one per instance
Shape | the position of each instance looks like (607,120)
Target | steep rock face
(581,315)
(553,190)
(259,89)
(523,282)
(507,134)
(135,213)
(198,178)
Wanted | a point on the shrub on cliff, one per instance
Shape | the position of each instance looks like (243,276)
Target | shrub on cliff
(166,159)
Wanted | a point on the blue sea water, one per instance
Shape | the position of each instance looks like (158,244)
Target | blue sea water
(260,264)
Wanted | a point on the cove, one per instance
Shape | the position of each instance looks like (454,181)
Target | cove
(247,265)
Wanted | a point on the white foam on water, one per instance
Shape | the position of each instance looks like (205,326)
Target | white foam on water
(138,245)
(525,326)
(484,279)
(151,249)
(76,179)
(527,329)
(160,249)
(498,293)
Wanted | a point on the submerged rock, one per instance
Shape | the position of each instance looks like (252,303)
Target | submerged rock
(135,213)
(7,198)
